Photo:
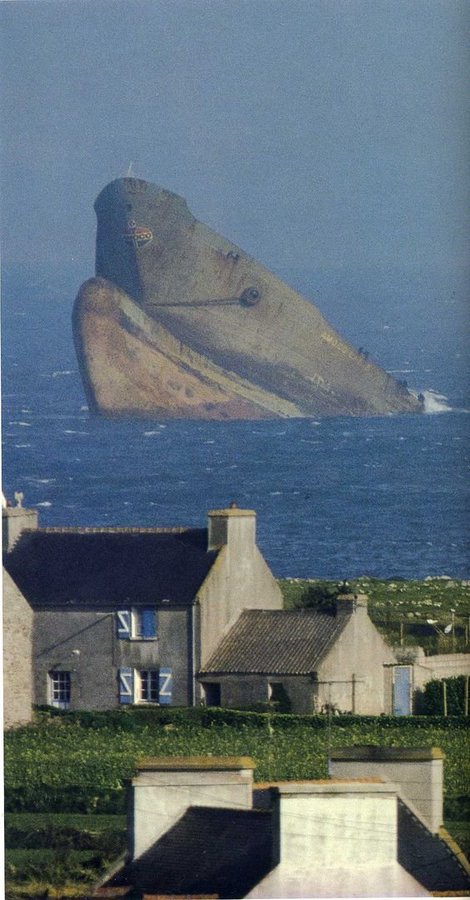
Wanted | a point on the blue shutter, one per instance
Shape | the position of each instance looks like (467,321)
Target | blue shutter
(126,685)
(123,624)
(148,621)
(165,686)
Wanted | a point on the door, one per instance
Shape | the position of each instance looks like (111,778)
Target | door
(402,690)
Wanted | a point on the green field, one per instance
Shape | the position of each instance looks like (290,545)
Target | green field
(401,609)
(74,766)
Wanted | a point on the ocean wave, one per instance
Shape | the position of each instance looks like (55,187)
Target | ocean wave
(434,402)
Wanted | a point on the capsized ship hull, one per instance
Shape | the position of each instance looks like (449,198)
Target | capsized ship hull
(181,323)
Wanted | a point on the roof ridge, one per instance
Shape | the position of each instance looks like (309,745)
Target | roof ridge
(111,529)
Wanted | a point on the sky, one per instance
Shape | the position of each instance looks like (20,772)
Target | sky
(327,137)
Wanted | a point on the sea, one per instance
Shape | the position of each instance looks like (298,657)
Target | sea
(335,498)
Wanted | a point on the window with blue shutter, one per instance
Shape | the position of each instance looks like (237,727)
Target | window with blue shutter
(126,685)
(145,623)
(165,686)
(140,624)
(123,624)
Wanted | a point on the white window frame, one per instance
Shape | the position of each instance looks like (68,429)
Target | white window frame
(60,688)
(147,681)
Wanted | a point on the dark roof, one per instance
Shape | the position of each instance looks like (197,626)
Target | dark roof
(109,566)
(433,859)
(208,851)
(284,642)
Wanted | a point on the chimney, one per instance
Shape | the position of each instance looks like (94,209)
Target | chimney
(164,788)
(350,603)
(418,771)
(16,519)
(232,526)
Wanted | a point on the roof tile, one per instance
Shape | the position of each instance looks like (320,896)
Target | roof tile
(284,642)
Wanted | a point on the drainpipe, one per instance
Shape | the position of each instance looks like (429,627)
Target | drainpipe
(192,661)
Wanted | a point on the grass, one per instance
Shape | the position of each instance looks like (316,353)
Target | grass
(409,604)
(75,849)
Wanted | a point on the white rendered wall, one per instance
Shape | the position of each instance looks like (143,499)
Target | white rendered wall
(337,840)
(420,782)
(160,798)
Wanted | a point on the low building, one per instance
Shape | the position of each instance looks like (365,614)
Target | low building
(309,660)
(202,828)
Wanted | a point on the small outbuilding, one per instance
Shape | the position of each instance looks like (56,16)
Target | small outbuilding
(308,660)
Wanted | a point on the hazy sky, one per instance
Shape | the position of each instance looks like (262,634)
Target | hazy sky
(325,134)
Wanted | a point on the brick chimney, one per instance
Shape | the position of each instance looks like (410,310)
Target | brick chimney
(232,526)
(16,519)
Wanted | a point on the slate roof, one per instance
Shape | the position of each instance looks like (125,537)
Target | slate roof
(208,851)
(102,567)
(277,642)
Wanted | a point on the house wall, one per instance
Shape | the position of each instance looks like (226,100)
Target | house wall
(248,690)
(337,840)
(94,669)
(164,789)
(240,579)
(17,655)
(355,665)
(418,772)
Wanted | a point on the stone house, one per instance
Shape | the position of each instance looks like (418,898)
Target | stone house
(200,827)
(107,617)
(17,659)
(308,659)
(129,615)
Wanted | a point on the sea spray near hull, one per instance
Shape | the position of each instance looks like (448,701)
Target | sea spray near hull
(181,323)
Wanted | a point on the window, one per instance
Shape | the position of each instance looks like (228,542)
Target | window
(145,685)
(211,693)
(138,624)
(60,689)
(148,685)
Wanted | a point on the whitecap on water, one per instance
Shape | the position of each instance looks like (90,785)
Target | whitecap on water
(150,433)
(44,503)
(23,424)
(435,402)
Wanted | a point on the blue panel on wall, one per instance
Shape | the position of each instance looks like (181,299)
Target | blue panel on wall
(126,685)
(123,624)
(148,621)
(402,691)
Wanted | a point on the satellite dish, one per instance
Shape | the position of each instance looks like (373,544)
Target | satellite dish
(448,629)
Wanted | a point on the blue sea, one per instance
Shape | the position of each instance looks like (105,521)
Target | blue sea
(335,498)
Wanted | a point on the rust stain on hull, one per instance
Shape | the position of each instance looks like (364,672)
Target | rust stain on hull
(186,325)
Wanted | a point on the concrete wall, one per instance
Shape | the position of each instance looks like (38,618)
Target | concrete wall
(240,578)
(59,634)
(164,789)
(17,656)
(447,665)
(418,772)
(14,520)
(337,840)
(355,665)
